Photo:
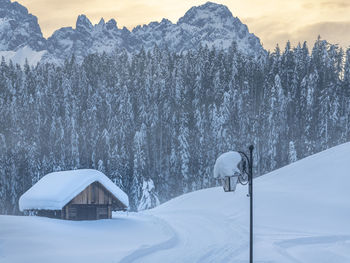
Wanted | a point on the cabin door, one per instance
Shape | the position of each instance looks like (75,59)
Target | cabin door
(86,213)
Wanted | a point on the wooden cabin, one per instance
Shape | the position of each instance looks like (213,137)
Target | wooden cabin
(74,195)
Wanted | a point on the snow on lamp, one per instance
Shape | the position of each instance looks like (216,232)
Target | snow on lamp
(229,167)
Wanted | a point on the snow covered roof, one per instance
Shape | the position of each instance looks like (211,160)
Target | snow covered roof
(55,190)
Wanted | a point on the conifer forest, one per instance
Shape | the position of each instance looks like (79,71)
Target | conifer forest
(163,117)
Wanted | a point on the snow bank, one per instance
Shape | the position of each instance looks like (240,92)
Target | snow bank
(55,190)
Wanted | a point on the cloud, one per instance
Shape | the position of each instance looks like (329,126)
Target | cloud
(308,5)
(340,4)
(329,5)
(273,31)
(333,32)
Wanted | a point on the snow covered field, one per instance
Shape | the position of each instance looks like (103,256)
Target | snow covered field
(302,214)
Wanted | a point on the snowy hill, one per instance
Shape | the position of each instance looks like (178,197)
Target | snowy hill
(302,214)
(209,24)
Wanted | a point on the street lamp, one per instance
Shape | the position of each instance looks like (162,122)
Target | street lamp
(234,167)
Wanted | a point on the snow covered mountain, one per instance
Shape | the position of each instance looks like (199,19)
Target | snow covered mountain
(301,215)
(20,34)
(87,39)
(209,24)
(18,28)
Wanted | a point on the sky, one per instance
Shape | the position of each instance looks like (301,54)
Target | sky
(273,21)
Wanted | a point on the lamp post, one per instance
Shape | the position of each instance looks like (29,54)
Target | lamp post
(232,167)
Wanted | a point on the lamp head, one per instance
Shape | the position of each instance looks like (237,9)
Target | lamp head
(228,164)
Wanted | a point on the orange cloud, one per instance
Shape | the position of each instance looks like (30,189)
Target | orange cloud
(335,4)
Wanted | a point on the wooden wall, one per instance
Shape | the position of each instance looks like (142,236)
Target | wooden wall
(87,212)
(94,202)
(95,193)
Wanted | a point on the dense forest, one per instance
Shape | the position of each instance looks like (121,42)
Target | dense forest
(158,120)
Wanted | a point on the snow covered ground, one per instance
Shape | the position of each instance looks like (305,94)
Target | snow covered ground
(302,214)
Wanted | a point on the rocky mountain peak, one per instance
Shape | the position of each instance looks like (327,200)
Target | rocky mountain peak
(208,13)
(102,22)
(111,24)
(83,23)
(208,24)
(18,28)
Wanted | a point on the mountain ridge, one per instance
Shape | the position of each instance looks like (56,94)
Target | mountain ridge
(209,24)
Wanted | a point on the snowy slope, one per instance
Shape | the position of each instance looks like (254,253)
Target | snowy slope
(22,55)
(302,214)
